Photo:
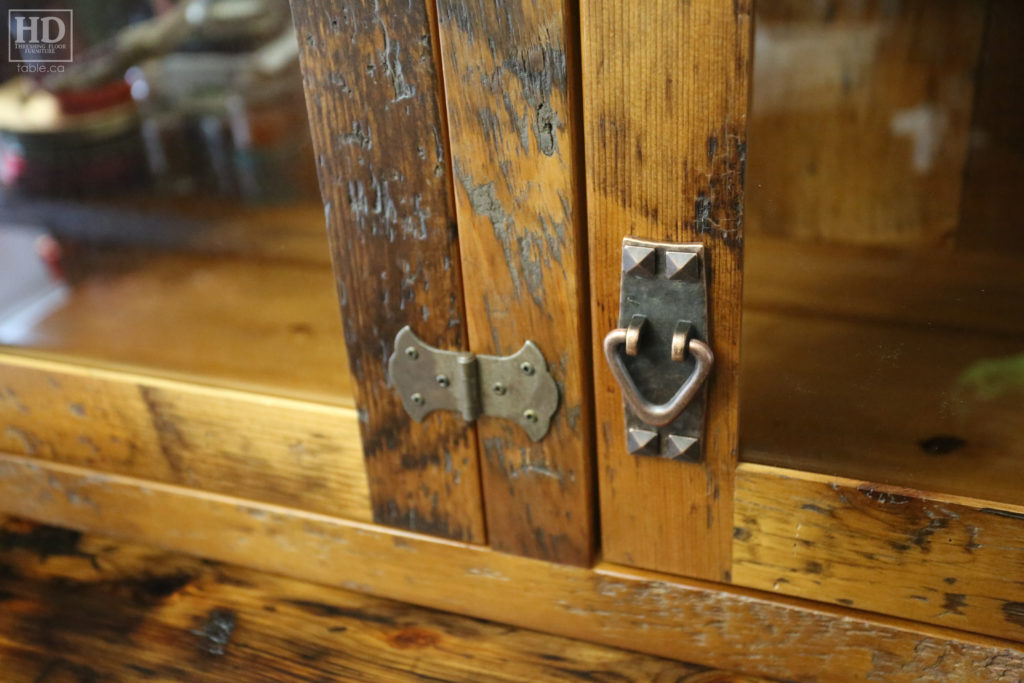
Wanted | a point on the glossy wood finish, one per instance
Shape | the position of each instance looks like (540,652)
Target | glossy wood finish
(511,76)
(665,105)
(90,608)
(300,454)
(373,93)
(929,557)
(653,613)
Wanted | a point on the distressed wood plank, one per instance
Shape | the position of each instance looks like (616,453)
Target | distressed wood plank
(860,119)
(938,559)
(302,454)
(90,608)
(665,104)
(372,91)
(690,620)
(511,74)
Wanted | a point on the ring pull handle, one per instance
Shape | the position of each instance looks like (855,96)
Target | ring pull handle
(657,414)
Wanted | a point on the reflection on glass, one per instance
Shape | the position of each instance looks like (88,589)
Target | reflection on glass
(884,293)
(159,206)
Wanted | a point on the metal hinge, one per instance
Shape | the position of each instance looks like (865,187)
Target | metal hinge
(517,387)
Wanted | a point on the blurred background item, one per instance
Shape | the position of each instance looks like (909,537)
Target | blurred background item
(196,97)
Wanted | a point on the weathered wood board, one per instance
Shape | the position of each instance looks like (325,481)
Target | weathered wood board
(665,106)
(713,625)
(88,608)
(374,98)
(511,76)
(932,558)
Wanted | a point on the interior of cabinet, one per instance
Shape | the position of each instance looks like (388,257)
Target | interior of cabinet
(222,312)
(188,243)
(883,331)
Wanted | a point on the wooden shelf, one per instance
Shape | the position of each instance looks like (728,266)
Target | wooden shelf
(258,324)
(892,367)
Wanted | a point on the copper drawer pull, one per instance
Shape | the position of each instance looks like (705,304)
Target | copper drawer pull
(656,414)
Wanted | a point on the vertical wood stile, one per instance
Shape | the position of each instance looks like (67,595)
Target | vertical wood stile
(372,91)
(665,87)
(511,75)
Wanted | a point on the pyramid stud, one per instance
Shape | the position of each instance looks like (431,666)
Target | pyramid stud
(638,260)
(682,265)
(676,447)
(642,442)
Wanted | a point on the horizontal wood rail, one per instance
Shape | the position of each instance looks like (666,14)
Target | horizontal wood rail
(946,560)
(690,620)
(300,454)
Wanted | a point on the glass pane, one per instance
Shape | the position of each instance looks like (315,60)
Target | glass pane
(884,291)
(159,206)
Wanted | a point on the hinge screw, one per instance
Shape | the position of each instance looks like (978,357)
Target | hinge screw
(412,352)
(527,367)
(417,398)
(499,388)
(530,415)
(443,381)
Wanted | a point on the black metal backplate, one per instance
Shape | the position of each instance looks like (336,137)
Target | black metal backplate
(664,302)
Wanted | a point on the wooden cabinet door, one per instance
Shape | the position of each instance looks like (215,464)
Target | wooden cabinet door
(450,165)
(665,112)
(875,462)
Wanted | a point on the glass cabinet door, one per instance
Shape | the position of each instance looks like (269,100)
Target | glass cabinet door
(884,296)
(168,309)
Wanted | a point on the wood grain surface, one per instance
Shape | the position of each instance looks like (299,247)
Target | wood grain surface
(511,76)
(861,118)
(301,454)
(665,106)
(90,608)
(932,558)
(709,624)
(373,95)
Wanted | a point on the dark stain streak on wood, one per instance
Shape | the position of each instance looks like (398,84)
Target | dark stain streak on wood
(922,537)
(173,445)
(42,540)
(320,609)
(953,602)
(420,462)
(1014,612)
(818,509)
(1004,513)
